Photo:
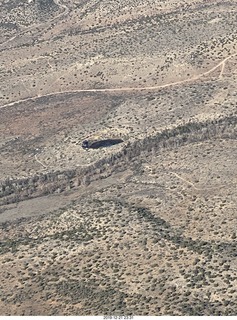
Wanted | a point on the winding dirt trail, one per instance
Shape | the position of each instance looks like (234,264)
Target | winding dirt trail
(187,181)
(127,89)
(203,188)
(40,162)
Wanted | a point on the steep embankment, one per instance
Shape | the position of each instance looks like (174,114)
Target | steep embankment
(20,189)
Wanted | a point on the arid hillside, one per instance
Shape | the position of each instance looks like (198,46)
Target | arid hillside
(145,226)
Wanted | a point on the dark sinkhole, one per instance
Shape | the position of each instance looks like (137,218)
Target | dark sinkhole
(89,144)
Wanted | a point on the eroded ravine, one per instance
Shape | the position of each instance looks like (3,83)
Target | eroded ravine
(16,190)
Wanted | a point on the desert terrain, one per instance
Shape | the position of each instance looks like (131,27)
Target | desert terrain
(144,227)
